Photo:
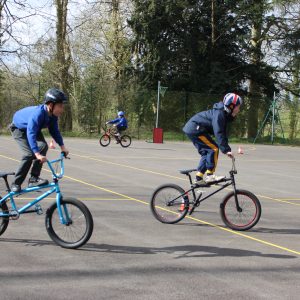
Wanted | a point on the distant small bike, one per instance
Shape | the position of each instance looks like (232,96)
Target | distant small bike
(68,221)
(109,132)
(240,209)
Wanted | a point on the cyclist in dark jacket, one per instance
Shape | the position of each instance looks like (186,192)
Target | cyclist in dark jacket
(212,122)
(120,124)
(26,129)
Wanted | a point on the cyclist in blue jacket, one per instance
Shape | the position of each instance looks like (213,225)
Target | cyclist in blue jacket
(26,129)
(120,124)
(212,122)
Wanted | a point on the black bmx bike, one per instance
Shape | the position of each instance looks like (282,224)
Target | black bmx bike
(124,140)
(240,209)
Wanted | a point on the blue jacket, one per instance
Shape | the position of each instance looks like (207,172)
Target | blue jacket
(121,122)
(33,119)
(214,122)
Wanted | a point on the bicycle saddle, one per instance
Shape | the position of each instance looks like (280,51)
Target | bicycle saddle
(186,172)
(4,174)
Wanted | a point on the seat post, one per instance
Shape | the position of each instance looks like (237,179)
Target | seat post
(6,183)
(190,178)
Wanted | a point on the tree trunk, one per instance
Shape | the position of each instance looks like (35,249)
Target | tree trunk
(255,59)
(63,57)
(213,23)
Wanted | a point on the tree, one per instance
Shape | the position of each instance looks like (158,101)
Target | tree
(63,59)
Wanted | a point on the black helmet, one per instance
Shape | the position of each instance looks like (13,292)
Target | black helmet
(55,96)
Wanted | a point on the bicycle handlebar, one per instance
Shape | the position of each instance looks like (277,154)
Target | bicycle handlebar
(62,168)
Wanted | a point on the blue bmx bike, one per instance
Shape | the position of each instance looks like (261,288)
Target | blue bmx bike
(68,221)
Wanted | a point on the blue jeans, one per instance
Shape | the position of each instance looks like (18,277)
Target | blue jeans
(209,151)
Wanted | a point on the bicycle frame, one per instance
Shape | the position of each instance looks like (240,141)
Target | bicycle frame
(197,200)
(54,189)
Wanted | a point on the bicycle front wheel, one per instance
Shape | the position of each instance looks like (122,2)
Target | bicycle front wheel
(169,203)
(3,220)
(246,216)
(79,227)
(104,140)
(125,141)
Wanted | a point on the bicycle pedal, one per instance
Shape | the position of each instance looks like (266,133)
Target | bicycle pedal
(38,209)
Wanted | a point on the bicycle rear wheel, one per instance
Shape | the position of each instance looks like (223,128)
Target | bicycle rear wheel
(104,140)
(3,220)
(79,227)
(125,141)
(169,203)
(249,214)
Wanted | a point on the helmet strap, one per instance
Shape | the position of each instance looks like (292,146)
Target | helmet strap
(227,109)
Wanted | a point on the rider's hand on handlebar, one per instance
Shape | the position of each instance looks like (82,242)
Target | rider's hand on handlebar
(230,154)
(65,150)
(41,157)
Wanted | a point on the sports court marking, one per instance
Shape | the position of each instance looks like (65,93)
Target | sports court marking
(175,177)
(288,201)
(189,217)
(192,218)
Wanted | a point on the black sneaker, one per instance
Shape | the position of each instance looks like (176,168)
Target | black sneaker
(37,181)
(15,188)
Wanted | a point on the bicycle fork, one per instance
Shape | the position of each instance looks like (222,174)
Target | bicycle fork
(64,215)
(238,208)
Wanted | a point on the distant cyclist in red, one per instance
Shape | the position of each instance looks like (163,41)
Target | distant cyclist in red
(203,125)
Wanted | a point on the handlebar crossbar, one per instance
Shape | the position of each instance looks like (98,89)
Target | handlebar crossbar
(62,167)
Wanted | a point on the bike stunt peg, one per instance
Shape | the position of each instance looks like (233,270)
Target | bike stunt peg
(240,150)
(52,144)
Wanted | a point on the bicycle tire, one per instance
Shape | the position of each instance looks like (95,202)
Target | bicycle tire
(125,141)
(55,229)
(4,220)
(166,211)
(247,218)
(104,140)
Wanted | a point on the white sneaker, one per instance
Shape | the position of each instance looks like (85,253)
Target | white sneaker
(213,178)
(201,181)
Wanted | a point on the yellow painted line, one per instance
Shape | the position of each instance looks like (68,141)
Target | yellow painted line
(166,175)
(192,218)
(129,167)
(246,236)
(83,199)
(236,232)
(180,178)
(279,200)
(189,217)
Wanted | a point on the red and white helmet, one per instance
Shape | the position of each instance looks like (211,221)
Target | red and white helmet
(231,100)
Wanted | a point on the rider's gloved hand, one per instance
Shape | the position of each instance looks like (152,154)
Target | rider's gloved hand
(230,154)
(65,150)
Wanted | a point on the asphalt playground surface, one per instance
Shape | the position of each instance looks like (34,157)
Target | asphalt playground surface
(133,256)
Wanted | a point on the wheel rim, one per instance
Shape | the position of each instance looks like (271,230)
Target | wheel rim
(76,226)
(105,140)
(246,217)
(166,207)
(125,140)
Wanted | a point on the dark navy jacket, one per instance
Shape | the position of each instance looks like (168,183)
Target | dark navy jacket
(121,122)
(33,119)
(214,122)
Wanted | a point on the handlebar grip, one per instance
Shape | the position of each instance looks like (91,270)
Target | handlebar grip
(65,155)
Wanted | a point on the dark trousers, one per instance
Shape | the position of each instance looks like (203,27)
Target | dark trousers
(209,151)
(28,156)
